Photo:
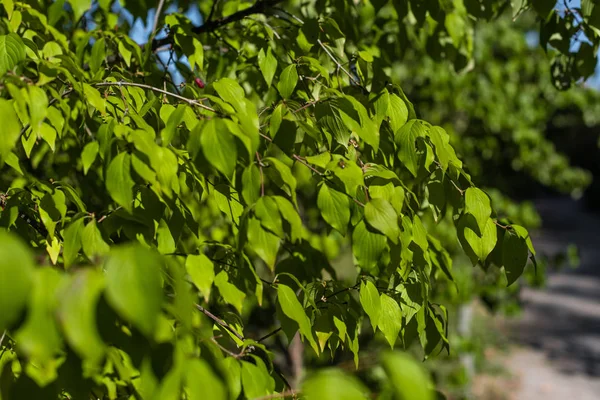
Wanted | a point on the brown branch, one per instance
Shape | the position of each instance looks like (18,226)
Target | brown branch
(159,8)
(260,7)
(155,89)
(219,321)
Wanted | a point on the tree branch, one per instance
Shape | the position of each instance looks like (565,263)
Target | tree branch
(159,8)
(258,8)
(219,321)
(165,92)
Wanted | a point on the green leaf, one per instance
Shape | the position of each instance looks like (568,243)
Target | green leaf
(275,121)
(88,155)
(320,160)
(514,256)
(397,112)
(77,314)
(380,214)
(282,175)
(292,308)
(11,128)
(288,81)
(405,139)
(333,384)
(268,215)
(523,233)
(175,118)
(119,182)
(134,286)
(477,203)
(367,246)
(93,96)
(202,271)
(164,238)
(12,52)
(125,52)
(39,337)
(390,319)
(348,172)
(231,92)
(201,382)
(371,302)
(38,108)
(481,245)
(80,7)
(256,381)
(335,208)
(230,293)
(291,216)
(267,64)
(251,183)
(381,104)
(92,242)
(72,242)
(98,55)
(218,146)
(408,378)
(48,133)
(16,278)
(233,373)
(263,243)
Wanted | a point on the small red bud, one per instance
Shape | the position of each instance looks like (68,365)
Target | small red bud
(199,83)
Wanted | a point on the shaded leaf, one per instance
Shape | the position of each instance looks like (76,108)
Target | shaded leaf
(287,81)
(16,278)
(134,286)
(292,308)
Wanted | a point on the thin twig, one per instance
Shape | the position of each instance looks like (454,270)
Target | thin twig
(266,137)
(301,161)
(325,298)
(231,353)
(155,89)
(462,192)
(102,218)
(268,335)
(353,79)
(507,227)
(4,334)
(219,321)
(159,8)
(260,7)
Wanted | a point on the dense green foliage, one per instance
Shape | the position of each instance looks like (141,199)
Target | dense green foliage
(161,241)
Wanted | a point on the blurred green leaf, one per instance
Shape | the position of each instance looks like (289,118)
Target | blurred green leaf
(134,285)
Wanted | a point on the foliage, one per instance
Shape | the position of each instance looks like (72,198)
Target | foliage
(162,241)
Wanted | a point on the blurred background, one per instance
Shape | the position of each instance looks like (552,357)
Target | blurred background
(539,147)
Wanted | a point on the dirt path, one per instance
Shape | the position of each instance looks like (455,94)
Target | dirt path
(559,332)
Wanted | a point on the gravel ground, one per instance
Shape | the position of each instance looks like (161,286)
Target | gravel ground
(558,356)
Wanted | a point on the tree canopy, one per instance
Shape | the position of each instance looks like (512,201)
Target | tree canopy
(164,240)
